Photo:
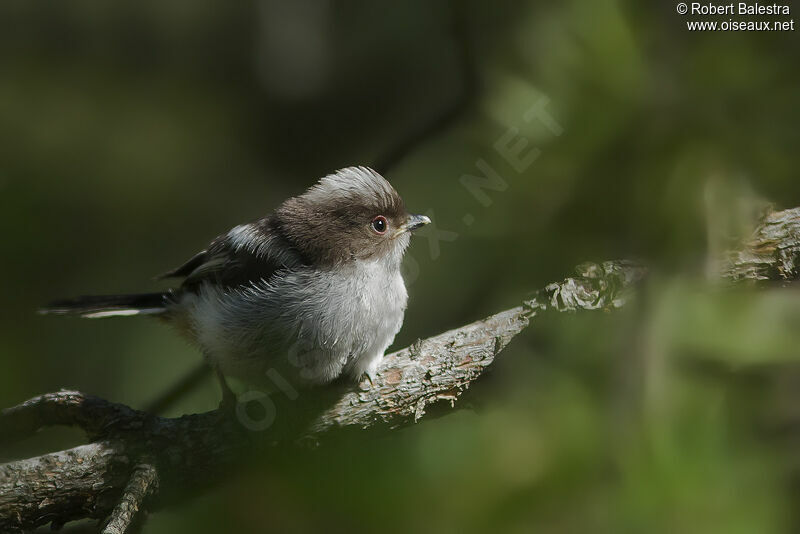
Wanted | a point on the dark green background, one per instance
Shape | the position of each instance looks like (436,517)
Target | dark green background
(131,133)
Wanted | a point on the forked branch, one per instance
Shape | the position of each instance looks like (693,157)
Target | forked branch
(136,458)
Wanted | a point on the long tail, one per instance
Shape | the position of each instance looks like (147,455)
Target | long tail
(98,306)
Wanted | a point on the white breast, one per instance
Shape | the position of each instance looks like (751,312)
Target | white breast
(312,325)
(382,307)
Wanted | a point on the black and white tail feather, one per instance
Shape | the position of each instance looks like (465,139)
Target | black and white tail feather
(100,306)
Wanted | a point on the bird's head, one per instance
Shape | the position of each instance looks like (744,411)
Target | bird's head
(352,214)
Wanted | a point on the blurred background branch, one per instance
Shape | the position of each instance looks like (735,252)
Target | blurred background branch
(469,92)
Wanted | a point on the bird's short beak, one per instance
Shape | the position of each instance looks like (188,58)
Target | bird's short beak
(414,222)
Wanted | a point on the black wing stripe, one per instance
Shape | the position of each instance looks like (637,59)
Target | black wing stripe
(248,254)
(186,269)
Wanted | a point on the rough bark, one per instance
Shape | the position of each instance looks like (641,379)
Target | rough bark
(138,460)
(442,367)
(143,482)
(771,254)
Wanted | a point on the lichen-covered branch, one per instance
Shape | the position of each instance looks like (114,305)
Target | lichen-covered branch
(83,482)
(771,254)
(92,414)
(137,458)
(442,367)
(143,482)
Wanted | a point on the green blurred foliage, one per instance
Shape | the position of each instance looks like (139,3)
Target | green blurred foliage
(131,133)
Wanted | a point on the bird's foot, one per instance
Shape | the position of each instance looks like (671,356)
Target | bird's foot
(371,375)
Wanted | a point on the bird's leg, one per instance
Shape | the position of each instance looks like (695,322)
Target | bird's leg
(368,375)
(371,374)
(228,401)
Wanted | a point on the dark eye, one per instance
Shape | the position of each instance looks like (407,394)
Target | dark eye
(379,224)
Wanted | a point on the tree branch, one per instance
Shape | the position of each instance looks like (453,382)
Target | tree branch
(131,449)
(137,460)
(143,482)
(92,414)
(771,254)
(468,94)
(442,367)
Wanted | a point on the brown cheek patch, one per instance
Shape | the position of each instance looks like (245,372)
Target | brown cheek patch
(370,246)
(335,229)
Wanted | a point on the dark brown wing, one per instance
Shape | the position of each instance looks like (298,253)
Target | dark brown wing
(247,254)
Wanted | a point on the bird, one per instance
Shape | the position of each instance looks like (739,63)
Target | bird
(312,291)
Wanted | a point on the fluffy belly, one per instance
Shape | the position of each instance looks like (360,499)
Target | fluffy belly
(309,327)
